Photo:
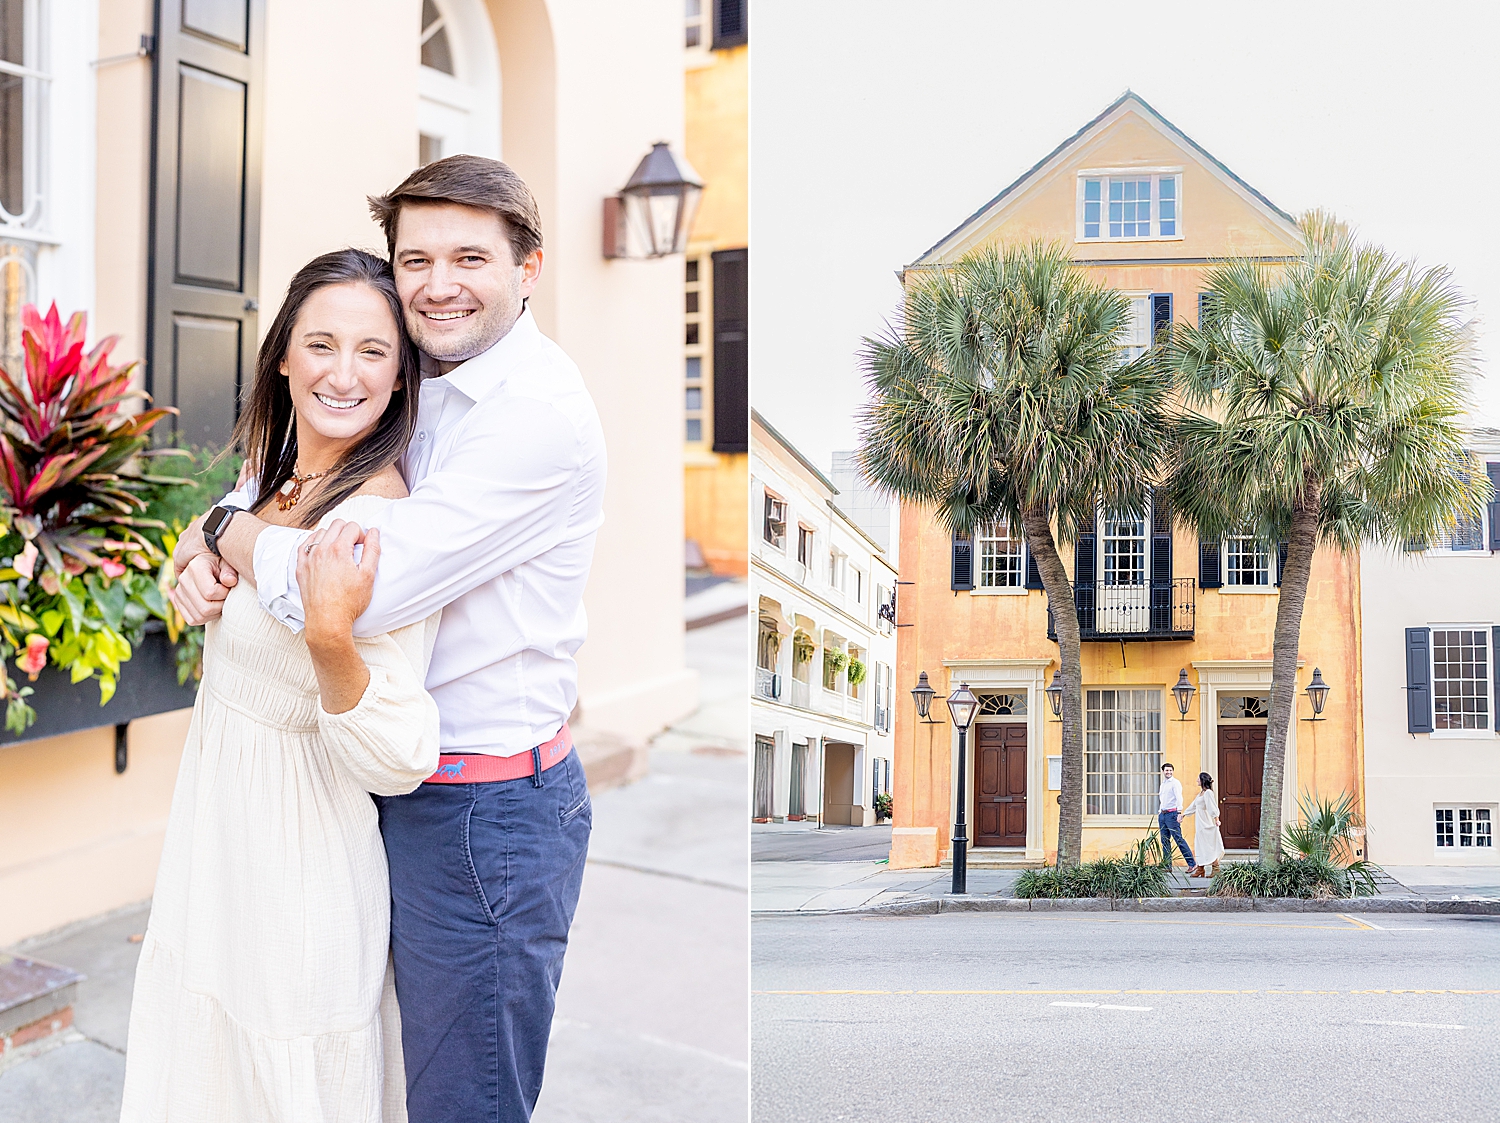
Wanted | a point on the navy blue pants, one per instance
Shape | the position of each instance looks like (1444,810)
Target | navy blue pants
(484,881)
(1171,827)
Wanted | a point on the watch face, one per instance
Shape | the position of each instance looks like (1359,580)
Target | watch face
(215,521)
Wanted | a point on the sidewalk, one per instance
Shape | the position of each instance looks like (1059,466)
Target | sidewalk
(653,1011)
(798,869)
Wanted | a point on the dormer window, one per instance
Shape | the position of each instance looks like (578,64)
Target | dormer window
(1129,205)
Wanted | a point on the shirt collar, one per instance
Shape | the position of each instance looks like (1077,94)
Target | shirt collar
(486,372)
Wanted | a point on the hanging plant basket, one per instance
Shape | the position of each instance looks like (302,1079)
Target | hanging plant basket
(833,661)
(857,671)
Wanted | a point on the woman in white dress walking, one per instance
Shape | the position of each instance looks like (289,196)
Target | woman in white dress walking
(263,992)
(1208,844)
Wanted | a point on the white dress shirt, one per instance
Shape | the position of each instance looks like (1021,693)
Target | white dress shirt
(506,472)
(1170,794)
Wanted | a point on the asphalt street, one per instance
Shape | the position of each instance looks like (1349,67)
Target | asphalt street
(1063,1016)
(803,842)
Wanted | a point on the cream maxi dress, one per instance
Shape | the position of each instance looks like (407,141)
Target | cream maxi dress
(263,992)
(1208,844)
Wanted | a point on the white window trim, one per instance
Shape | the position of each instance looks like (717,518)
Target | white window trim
(1456,849)
(1121,173)
(786,522)
(1127,820)
(1487,631)
(1253,590)
(999,590)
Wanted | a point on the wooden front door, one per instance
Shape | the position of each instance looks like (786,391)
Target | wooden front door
(1000,785)
(1242,759)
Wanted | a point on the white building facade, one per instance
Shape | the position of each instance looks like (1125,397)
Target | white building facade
(824,594)
(1431,630)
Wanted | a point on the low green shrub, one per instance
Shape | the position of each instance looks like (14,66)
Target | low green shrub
(1104,877)
(1309,878)
(883,805)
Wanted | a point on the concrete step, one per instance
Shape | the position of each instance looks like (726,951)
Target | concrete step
(36,1001)
(995,860)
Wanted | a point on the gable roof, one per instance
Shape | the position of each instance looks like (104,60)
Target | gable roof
(1134,100)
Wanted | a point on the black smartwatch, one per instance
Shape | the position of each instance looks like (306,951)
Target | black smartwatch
(215,523)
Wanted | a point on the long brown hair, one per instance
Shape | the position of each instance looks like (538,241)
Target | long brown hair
(266,432)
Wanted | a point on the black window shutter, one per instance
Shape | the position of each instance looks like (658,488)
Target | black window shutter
(1208,566)
(731,351)
(1033,574)
(1206,301)
(963,562)
(1494,474)
(1280,562)
(1161,313)
(1085,574)
(1495,676)
(731,25)
(1161,565)
(1418,680)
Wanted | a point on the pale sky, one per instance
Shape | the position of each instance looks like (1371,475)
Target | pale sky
(877,126)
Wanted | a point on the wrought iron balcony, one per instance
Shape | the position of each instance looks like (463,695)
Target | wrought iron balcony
(1134,612)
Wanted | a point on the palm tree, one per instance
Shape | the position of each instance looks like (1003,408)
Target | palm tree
(1323,406)
(1001,395)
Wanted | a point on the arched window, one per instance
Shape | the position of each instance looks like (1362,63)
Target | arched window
(459,83)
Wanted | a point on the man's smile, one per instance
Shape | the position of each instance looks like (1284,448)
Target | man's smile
(455,314)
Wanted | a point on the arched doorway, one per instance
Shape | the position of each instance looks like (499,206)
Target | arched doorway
(459,82)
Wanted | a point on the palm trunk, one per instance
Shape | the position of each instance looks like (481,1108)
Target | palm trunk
(1038,530)
(1301,543)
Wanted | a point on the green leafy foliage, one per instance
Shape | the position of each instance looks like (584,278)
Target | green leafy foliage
(77,560)
(1104,877)
(1309,878)
(883,805)
(857,671)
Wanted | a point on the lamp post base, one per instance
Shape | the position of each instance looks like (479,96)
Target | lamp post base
(960,866)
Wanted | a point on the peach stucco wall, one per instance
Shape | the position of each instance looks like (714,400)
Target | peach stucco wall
(950,625)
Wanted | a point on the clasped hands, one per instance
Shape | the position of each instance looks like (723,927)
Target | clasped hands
(335,583)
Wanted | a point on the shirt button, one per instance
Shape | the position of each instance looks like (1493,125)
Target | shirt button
(421,436)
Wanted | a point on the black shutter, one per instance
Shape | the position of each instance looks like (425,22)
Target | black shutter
(963,562)
(1085,574)
(1494,474)
(1209,576)
(1206,303)
(1280,562)
(1418,680)
(204,261)
(1161,314)
(1495,674)
(731,351)
(1161,565)
(1033,574)
(731,23)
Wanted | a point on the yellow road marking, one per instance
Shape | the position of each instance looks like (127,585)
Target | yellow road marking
(1360,923)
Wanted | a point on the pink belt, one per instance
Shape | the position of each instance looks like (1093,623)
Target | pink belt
(479,768)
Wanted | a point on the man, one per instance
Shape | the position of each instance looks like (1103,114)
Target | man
(506,472)
(1169,817)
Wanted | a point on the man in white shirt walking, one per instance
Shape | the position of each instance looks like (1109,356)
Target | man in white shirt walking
(1169,818)
(506,472)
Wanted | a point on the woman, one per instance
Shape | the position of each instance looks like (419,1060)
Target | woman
(1208,844)
(263,991)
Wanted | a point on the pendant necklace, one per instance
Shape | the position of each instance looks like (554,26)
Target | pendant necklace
(291,491)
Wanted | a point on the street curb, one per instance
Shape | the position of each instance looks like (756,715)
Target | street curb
(951,904)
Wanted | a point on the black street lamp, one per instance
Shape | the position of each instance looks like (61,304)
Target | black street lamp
(962,706)
(1317,694)
(1054,695)
(923,695)
(1183,692)
(653,214)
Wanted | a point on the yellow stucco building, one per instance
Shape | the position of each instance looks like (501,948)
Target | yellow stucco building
(1146,211)
(716,340)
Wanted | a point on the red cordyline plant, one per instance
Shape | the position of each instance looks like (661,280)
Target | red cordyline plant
(73,486)
(70,459)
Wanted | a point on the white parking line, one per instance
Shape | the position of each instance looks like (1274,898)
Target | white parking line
(1415,1025)
(1100,1006)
